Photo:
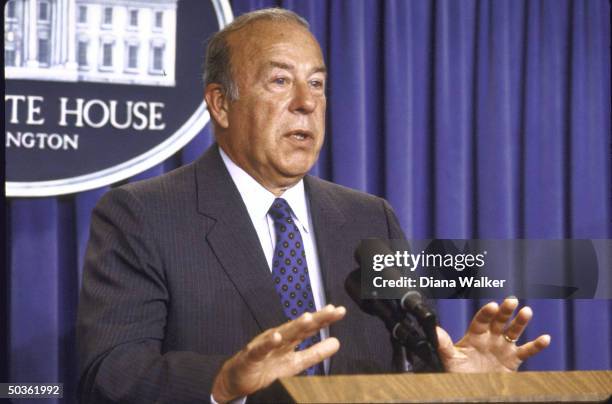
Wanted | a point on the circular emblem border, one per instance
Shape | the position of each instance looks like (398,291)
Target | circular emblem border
(134,166)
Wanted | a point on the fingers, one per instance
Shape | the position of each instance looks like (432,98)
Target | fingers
(482,320)
(446,349)
(492,317)
(290,334)
(308,324)
(533,347)
(317,353)
(262,345)
(518,324)
(503,315)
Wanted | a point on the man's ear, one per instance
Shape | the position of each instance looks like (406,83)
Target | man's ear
(217,104)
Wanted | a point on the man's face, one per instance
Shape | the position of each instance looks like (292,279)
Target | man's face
(276,127)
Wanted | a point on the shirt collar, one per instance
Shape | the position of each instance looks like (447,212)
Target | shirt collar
(296,198)
(258,199)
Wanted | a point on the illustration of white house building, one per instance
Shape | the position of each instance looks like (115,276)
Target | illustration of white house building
(114,41)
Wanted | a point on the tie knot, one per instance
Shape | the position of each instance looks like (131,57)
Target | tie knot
(280,210)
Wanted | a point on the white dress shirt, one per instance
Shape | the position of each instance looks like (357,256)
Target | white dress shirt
(258,200)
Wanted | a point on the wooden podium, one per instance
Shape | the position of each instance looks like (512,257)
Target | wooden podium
(533,387)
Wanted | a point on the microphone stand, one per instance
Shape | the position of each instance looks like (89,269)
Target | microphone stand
(419,338)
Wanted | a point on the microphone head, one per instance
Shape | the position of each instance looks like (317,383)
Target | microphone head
(411,300)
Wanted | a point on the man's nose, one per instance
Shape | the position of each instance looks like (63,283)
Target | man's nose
(304,101)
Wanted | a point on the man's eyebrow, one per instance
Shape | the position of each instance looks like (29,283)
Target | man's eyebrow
(281,65)
(289,67)
(320,69)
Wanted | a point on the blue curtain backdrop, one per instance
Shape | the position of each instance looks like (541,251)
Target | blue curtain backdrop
(485,119)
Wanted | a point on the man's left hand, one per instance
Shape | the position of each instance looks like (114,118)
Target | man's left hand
(489,344)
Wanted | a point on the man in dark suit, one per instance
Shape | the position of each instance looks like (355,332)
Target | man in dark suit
(185,293)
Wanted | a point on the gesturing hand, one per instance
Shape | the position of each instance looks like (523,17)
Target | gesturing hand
(272,355)
(488,345)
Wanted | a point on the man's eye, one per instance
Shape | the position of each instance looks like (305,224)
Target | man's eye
(317,83)
(281,81)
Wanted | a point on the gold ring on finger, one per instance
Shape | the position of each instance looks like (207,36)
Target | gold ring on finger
(510,340)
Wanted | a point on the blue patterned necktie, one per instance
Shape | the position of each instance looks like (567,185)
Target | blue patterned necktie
(290,271)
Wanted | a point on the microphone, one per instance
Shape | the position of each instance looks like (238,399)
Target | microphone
(412,300)
(400,326)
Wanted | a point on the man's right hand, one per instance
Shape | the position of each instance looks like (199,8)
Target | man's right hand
(272,355)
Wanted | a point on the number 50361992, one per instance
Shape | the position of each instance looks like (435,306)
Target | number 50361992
(30,390)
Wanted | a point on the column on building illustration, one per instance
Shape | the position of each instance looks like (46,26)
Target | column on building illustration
(68,40)
(31,24)
(56,34)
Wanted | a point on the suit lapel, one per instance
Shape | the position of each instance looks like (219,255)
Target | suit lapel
(234,240)
(328,221)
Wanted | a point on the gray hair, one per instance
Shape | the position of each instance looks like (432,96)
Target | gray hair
(217,67)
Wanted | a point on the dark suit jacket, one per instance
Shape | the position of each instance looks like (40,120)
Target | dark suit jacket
(176,281)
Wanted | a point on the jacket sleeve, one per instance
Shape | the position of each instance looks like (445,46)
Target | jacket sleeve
(122,316)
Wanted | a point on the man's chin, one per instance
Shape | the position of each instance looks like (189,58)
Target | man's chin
(300,161)
(297,170)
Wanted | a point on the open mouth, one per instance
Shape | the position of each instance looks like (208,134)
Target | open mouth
(300,135)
